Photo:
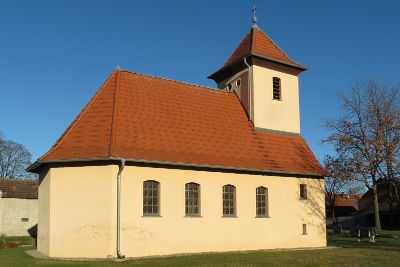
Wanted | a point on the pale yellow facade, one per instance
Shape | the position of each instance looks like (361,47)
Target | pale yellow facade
(266,112)
(43,234)
(279,115)
(77,214)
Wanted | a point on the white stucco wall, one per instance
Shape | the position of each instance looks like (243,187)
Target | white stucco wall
(12,210)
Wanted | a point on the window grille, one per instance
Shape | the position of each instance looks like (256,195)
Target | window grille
(228,200)
(262,201)
(151,196)
(192,199)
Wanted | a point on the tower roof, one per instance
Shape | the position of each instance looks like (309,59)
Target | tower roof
(142,118)
(257,43)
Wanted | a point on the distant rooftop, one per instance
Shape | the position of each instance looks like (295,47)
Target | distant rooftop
(19,188)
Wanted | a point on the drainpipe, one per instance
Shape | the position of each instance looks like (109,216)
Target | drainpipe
(249,82)
(121,167)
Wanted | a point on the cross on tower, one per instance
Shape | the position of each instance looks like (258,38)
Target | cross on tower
(254,17)
(254,11)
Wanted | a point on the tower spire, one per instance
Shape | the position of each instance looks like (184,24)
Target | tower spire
(254,18)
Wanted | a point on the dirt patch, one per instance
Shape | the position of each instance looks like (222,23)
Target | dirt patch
(16,244)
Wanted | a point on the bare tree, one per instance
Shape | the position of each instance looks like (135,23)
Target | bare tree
(356,190)
(390,171)
(366,136)
(14,158)
(336,182)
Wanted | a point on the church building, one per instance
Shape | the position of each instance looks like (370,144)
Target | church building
(153,166)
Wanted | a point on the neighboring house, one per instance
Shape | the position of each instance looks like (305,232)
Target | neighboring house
(345,204)
(345,209)
(153,166)
(18,206)
(389,208)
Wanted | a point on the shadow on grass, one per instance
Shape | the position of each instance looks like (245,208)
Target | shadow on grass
(387,244)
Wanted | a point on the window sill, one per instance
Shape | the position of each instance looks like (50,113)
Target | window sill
(304,234)
(302,198)
(151,216)
(262,216)
(229,216)
(192,216)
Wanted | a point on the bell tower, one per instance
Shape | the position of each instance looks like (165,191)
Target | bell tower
(265,80)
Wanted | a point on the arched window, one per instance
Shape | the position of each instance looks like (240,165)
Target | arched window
(192,199)
(261,201)
(276,88)
(151,198)
(229,200)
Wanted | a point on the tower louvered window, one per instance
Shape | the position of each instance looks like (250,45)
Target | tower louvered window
(151,197)
(192,199)
(228,200)
(276,91)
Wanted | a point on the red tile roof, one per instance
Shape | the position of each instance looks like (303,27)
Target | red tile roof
(258,43)
(346,200)
(142,117)
(19,188)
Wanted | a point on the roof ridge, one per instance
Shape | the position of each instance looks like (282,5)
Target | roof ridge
(236,48)
(68,130)
(114,113)
(252,40)
(276,46)
(172,80)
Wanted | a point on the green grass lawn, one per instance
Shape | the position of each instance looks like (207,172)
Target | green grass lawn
(19,239)
(385,252)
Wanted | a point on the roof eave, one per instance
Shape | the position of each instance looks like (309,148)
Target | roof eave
(38,163)
(293,65)
(211,76)
(290,64)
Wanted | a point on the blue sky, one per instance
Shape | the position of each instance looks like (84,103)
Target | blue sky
(54,55)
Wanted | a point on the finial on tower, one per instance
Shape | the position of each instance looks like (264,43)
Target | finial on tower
(254,17)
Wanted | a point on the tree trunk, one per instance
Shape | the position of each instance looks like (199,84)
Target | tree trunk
(390,202)
(376,208)
(396,193)
(333,216)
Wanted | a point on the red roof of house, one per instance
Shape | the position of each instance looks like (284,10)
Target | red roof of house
(146,118)
(346,200)
(256,42)
(19,188)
